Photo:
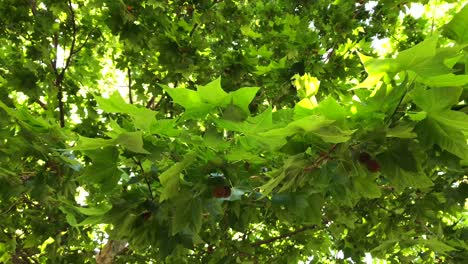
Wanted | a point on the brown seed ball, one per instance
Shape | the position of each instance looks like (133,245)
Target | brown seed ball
(364,157)
(373,166)
(221,192)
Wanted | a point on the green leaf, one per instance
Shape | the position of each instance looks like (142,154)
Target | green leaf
(277,177)
(142,117)
(132,141)
(334,134)
(212,92)
(170,178)
(402,130)
(114,104)
(446,80)
(303,108)
(103,170)
(33,123)
(435,99)
(188,99)
(374,66)
(242,97)
(438,246)
(453,119)
(251,125)
(331,109)
(100,209)
(411,58)
(238,154)
(366,187)
(313,213)
(457,28)
(85,143)
(196,217)
(165,127)
(306,124)
(234,113)
(400,167)
(273,66)
(431,132)
(187,213)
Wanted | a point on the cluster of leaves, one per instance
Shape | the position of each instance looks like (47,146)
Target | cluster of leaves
(298,162)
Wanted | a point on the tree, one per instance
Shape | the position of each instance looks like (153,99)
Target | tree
(246,131)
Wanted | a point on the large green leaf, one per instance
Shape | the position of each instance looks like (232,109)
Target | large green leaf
(34,123)
(446,80)
(457,28)
(188,99)
(103,170)
(436,99)
(85,143)
(306,124)
(242,97)
(431,132)
(414,57)
(453,119)
(334,134)
(170,179)
(132,141)
(251,125)
(212,92)
(142,117)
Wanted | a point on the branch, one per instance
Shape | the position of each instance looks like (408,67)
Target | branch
(129,72)
(193,29)
(82,45)
(144,176)
(42,104)
(61,75)
(73,43)
(33,7)
(323,157)
(150,102)
(283,236)
(60,103)
(112,249)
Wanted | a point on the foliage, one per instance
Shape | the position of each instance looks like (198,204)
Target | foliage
(248,132)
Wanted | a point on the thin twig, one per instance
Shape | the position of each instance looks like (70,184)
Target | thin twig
(82,45)
(14,204)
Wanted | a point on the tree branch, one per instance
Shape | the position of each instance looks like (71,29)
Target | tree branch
(82,45)
(33,7)
(73,43)
(283,236)
(60,76)
(112,249)
(150,102)
(42,104)
(323,157)
(129,72)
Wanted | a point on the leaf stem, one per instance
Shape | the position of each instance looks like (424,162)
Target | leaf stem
(144,176)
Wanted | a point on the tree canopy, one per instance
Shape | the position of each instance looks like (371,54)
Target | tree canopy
(233,131)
